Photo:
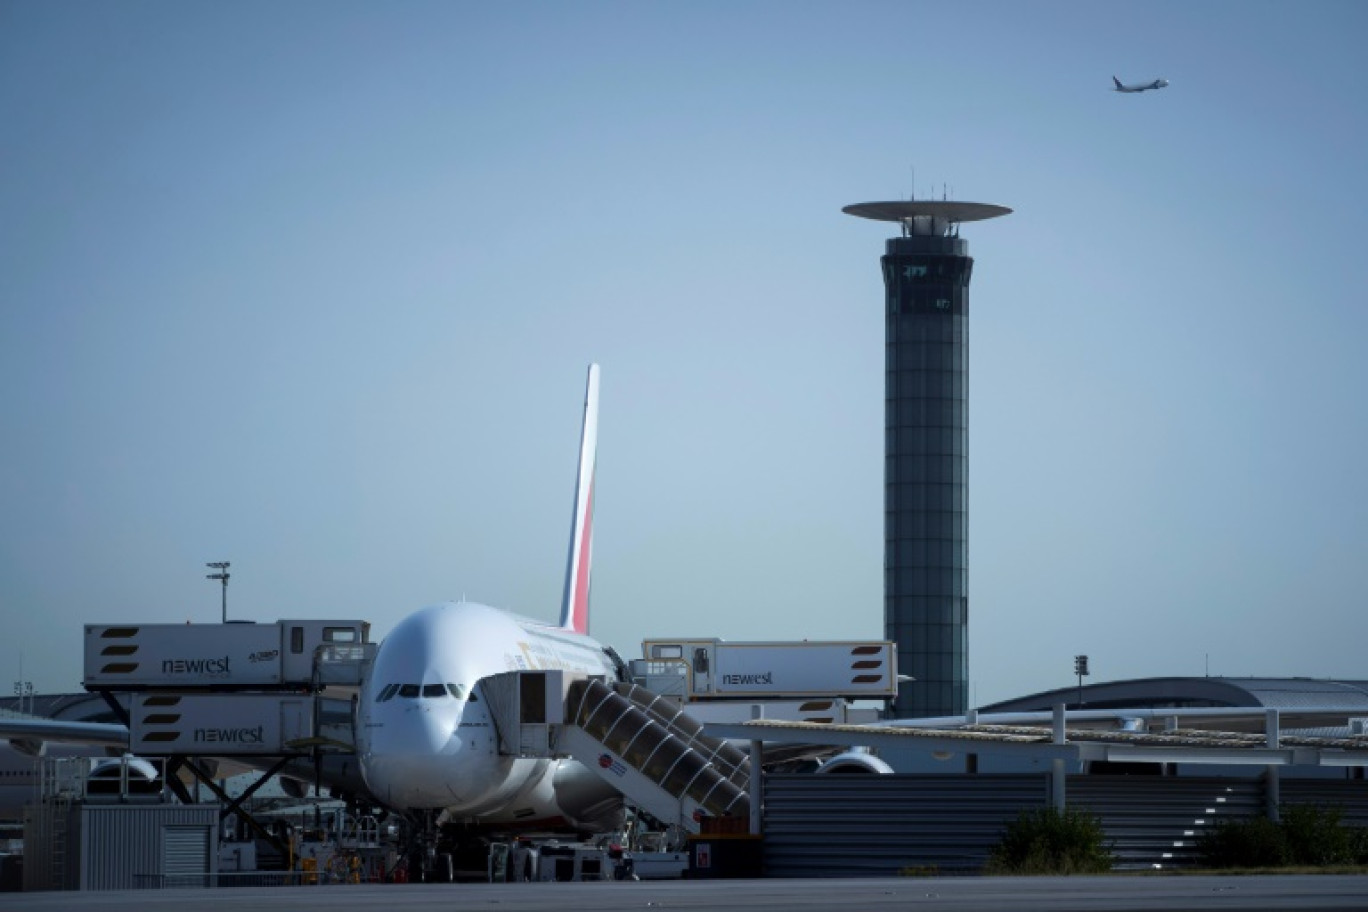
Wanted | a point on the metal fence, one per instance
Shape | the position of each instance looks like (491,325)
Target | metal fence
(1154,822)
(833,826)
(1348,796)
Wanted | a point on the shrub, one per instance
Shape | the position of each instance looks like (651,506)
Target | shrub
(1315,836)
(1048,841)
(1358,844)
(1254,843)
(1306,835)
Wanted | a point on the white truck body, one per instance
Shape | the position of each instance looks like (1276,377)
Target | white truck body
(825,710)
(712,669)
(221,724)
(211,656)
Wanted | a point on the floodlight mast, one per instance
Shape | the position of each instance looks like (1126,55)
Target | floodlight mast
(221,576)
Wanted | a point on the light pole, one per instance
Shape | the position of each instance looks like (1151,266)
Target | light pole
(1080,669)
(23,689)
(221,576)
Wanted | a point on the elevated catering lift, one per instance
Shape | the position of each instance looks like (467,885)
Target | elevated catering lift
(255,697)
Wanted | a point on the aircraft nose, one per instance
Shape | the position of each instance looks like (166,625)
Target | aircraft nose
(422,729)
(410,755)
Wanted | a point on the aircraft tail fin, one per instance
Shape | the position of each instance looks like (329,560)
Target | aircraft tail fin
(575,606)
(1118,83)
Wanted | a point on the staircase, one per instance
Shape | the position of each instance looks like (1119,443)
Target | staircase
(656,756)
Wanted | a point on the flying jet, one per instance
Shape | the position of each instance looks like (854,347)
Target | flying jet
(1139,86)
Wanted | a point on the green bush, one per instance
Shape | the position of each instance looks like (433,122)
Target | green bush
(1358,844)
(1306,836)
(1048,841)
(1315,836)
(1254,843)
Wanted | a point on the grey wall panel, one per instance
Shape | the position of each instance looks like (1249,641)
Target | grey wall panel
(50,846)
(1348,796)
(1154,822)
(833,826)
(122,844)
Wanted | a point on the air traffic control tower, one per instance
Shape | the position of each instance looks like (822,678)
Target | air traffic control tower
(926,449)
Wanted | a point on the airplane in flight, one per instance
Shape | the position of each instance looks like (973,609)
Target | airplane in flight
(426,744)
(1139,86)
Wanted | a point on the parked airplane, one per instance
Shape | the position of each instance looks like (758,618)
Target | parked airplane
(1139,86)
(425,738)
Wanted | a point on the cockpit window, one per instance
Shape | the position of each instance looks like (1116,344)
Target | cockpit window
(434,690)
(409,690)
(455,690)
(387,693)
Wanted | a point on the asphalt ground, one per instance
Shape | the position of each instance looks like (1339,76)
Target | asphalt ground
(967,894)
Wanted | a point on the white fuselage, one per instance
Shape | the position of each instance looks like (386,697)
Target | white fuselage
(425,736)
(19,779)
(1143,87)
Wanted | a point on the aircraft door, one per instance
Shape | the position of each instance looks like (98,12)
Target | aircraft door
(702,671)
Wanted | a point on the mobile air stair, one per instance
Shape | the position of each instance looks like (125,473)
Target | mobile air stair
(640,743)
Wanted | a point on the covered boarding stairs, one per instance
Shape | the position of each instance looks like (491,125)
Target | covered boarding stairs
(642,744)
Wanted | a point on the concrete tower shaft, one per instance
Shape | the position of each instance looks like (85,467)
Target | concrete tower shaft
(926,449)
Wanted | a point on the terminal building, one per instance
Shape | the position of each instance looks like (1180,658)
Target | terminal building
(1286,695)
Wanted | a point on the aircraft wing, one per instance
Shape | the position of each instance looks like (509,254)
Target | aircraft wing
(1216,718)
(29,735)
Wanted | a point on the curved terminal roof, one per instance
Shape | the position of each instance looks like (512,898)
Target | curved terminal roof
(1167,693)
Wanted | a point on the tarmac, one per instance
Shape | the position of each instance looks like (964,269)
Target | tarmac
(965,894)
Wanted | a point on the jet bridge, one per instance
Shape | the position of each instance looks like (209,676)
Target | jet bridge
(638,742)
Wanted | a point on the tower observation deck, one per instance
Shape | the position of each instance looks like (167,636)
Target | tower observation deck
(926,448)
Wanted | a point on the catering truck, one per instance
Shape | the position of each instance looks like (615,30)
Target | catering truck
(712,669)
(280,654)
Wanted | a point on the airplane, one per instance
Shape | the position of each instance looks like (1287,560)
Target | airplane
(1139,87)
(425,736)
(426,744)
(19,778)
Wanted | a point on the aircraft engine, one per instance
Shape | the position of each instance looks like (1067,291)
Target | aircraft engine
(107,776)
(297,789)
(587,800)
(854,762)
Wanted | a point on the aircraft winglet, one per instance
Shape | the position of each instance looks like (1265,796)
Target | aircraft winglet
(575,605)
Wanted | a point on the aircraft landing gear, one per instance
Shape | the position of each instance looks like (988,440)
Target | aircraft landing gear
(426,864)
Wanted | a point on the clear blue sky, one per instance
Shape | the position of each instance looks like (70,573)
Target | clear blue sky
(311,287)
